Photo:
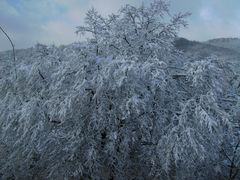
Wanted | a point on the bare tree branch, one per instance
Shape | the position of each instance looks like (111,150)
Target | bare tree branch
(13,49)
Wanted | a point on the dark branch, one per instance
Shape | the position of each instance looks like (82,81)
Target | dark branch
(13,49)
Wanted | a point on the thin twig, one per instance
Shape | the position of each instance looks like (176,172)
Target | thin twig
(13,50)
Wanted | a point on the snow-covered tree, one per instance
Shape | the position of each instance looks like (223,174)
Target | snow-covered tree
(123,105)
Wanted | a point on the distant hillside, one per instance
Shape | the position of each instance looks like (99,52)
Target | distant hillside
(230,43)
(223,48)
(204,49)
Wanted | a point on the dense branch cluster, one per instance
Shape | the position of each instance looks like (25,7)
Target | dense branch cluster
(125,104)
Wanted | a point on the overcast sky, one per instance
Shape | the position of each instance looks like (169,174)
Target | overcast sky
(54,21)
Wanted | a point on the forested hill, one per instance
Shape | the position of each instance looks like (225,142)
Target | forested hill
(230,43)
(227,52)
